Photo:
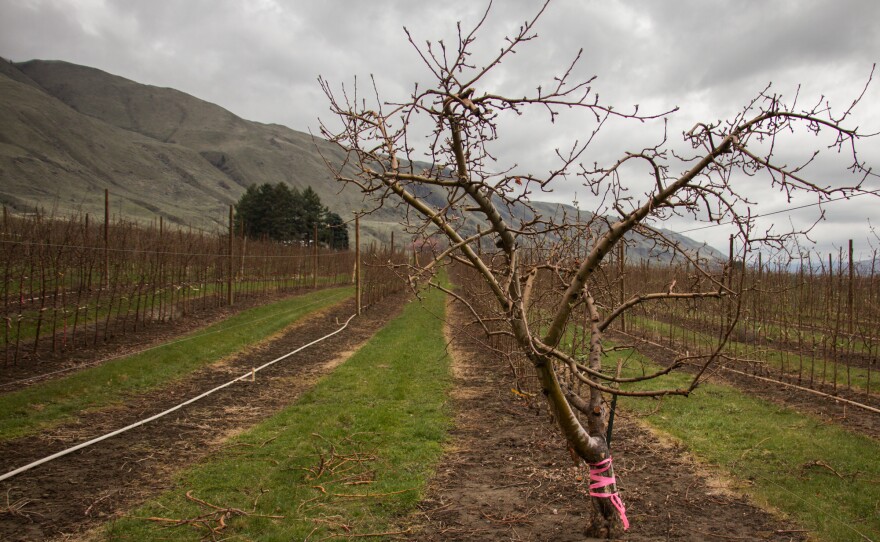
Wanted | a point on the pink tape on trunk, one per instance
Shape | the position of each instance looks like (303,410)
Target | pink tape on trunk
(599,481)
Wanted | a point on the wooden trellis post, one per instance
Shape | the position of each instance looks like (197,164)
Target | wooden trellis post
(357,262)
(229,279)
(315,258)
(106,269)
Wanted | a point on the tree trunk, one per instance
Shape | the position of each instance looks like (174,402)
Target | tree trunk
(605,518)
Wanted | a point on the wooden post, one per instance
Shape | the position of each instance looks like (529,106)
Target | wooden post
(229,271)
(849,294)
(160,246)
(357,262)
(315,258)
(621,262)
(728,315)
(106,238)
(243,243)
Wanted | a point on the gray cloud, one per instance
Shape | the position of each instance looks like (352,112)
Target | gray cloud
(261,60)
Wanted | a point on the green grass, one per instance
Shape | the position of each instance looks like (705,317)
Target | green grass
(782,458)
(40,406)
(348,458)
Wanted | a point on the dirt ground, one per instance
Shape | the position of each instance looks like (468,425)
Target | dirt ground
(507,476)
(62,499)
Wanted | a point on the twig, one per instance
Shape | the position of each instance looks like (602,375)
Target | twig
(214,521)
(368,535)
(89,509)
(356,496)
(750,449)
(17,508)
(820,463)
(257,498)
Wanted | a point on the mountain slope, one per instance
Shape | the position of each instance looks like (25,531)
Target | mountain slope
(244,151)
(52,156)
(70,131)
(67,132)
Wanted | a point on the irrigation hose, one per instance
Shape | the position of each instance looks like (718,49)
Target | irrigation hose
(771,380)
(247,375)
(808,390)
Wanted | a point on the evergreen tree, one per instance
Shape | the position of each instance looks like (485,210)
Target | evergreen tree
(335,232)
(311,211)
(284,214)
(249,212)
(263,211)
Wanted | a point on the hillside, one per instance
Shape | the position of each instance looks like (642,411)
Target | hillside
(54,157)
(69,131)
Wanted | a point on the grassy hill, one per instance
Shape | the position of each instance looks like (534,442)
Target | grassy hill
(71,131)
(55,157)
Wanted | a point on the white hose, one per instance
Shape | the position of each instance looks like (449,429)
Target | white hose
(20,470)
(772,380)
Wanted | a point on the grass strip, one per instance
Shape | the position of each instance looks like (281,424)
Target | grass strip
(40,406)
(348,458)
(827,479)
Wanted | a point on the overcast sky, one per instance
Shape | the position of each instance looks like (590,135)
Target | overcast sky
(260,59)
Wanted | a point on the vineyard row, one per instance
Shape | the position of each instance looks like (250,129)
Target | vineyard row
(71,283)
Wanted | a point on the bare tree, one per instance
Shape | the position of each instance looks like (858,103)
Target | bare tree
(456,192)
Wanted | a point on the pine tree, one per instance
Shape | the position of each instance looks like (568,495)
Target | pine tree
(283,214)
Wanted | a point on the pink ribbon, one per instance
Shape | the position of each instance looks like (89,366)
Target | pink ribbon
(599,481)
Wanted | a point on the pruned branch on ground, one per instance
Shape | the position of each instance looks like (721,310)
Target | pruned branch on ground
(213,521)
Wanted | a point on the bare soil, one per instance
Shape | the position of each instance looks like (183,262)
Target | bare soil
(62,499)
(507,475)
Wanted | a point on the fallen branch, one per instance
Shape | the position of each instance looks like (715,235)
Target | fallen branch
(356,496)
(368,535)
(17,508)
(214,521)
(820,463)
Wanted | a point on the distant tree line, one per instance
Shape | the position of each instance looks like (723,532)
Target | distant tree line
(284,214)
